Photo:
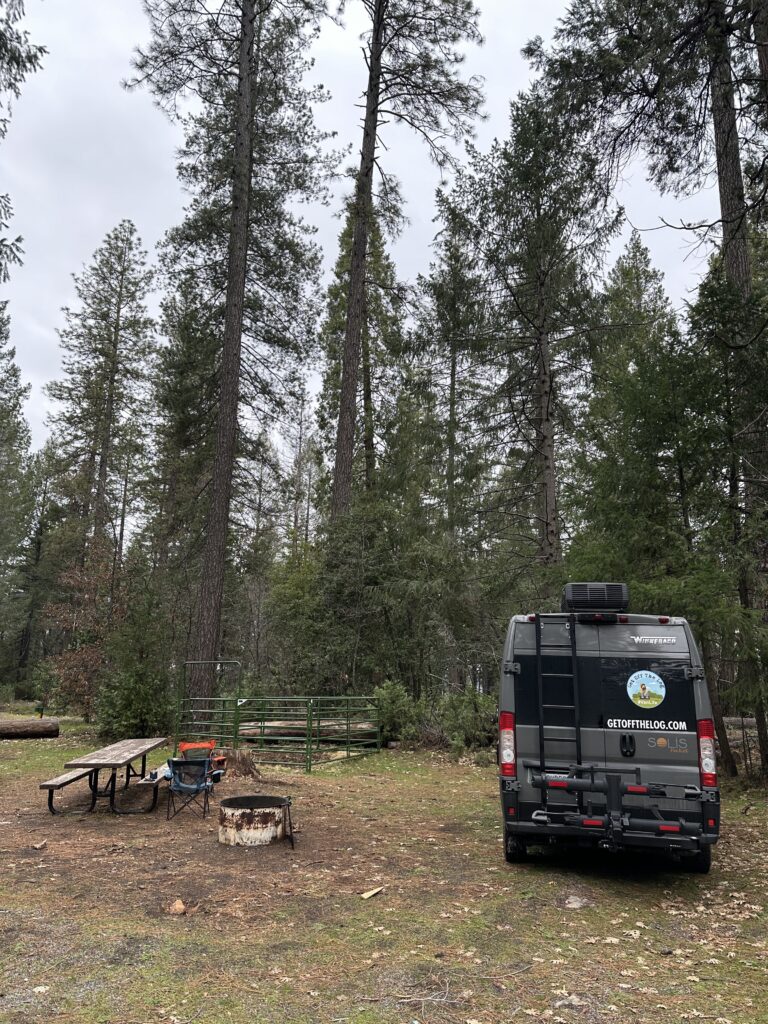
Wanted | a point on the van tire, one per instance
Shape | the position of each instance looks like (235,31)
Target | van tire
(515,850)
(700,862)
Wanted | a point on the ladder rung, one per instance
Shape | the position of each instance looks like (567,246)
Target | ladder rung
(557,675)
(560,707)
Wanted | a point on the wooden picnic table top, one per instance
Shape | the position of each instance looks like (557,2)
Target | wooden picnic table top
(116,755)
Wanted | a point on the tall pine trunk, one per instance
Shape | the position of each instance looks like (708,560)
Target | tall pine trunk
(117,559)
(726,754)
(550,551)
(368,438)
(107,427)
(451,439)
(205,640)
(760,29)
(730,179)
(363,209)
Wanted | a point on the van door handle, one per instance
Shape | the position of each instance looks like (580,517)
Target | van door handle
(627,745)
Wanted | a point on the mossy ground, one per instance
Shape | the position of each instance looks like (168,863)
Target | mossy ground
(275,935)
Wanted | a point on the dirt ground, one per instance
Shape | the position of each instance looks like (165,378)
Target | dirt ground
(275,935)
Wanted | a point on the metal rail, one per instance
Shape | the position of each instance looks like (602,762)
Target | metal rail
(299,731)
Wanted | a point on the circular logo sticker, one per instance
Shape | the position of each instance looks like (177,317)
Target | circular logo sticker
(646,689)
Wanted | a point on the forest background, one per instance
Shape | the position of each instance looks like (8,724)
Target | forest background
(350,481)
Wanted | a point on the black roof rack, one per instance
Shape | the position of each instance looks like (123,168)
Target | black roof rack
(601,597)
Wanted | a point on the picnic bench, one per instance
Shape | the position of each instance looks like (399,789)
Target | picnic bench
(54,785)
(112,758)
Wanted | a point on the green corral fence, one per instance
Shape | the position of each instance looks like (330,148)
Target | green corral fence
(297,731)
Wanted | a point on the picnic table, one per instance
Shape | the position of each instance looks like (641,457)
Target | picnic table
(112,758)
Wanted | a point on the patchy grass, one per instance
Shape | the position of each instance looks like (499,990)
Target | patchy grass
(275,935)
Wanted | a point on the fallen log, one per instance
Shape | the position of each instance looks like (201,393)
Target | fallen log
(329,728)
(28,728)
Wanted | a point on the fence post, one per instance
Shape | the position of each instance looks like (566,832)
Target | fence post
(348,728)
(309,736)
(177,712)
(236,724)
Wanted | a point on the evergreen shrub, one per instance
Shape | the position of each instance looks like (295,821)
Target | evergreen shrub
(134,704)
(460,720)
(398,713)
(466,720)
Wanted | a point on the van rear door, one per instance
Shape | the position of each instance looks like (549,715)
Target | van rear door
(648,703)
(557,740)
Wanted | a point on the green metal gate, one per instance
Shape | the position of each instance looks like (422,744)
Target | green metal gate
(296,731)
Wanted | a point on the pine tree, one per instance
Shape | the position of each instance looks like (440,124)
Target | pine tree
(15,500)
(381,343)
(412,53)
(534,211)
(648,78)
(639,490)
(450,340)
(740,458)
(107,345)
(100,425)
(247,154)
(18,58)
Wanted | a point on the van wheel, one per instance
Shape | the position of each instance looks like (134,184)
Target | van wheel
(700,862)
(515,850)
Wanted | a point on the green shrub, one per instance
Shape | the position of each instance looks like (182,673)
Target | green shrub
(463,720)
(7,694)
(134,704)
(397,712)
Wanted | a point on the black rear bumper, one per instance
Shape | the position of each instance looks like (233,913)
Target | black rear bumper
(607,820)
(536,833)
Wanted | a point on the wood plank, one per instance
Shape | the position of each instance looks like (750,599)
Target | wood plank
(116,755)
(160,769)
(64,780)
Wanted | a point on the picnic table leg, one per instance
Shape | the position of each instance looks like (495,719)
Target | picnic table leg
(129,773)
(93,783)
(111,789)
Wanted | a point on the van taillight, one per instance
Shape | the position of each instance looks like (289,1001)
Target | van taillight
(705,729)
(508,765)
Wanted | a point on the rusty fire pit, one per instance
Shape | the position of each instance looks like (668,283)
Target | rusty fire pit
(255,820)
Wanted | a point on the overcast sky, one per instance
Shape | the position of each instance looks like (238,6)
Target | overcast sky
(81,154)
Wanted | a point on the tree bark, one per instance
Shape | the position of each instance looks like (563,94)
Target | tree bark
(117,560)
(298,472)
(345,436)
(726,754)
(550,551)
(760,29)
(105,444)
(205,643)
(762,734)
(25,640)
(736,258)
(368,438)
(450,468)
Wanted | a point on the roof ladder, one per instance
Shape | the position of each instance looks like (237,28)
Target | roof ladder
(574,708)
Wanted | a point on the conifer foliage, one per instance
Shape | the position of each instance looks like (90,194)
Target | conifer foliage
(349,485)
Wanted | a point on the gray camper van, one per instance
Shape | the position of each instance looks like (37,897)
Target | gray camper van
(606,736)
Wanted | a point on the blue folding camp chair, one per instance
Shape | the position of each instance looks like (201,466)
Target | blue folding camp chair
(190,785)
